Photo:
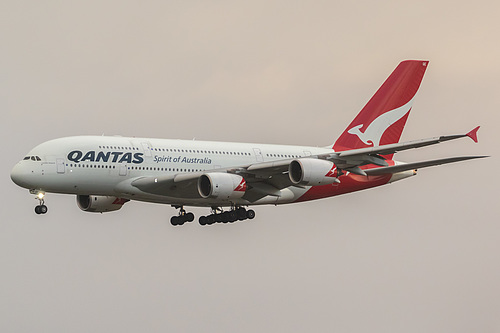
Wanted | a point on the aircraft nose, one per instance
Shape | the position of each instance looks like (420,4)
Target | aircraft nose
(17,175)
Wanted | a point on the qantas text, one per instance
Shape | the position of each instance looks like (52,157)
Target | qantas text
(115,156)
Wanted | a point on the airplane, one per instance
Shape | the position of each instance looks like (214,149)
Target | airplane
(105,172)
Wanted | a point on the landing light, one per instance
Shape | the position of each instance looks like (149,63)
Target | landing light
(41,195)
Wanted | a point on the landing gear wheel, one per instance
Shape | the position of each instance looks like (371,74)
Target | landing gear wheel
(174,220)
(177,220)
(41,209)
(203,220)
(250,214)
(242,214)
(233,216)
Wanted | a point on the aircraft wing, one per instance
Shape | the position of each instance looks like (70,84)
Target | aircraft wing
(262,179)
(268,178)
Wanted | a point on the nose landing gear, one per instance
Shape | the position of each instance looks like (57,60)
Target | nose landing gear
(41,208)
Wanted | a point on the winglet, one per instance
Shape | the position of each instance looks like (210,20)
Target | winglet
(473,134)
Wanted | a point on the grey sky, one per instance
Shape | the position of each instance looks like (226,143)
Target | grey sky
(418,255)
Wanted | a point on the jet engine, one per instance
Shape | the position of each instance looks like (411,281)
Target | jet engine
(99,203)
(312,172)
(223,186)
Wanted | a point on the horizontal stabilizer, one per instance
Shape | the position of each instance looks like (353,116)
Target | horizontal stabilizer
(417,165)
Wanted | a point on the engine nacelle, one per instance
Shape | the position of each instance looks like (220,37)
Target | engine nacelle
(222,186)
(312,172)
(99,203)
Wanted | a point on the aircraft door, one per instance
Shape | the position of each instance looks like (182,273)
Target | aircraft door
(123,169)
(146,148)
(258,155)
(61,167)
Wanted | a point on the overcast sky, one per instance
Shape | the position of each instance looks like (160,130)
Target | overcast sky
(420,255)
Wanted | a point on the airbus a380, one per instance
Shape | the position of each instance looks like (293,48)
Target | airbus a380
(106,172)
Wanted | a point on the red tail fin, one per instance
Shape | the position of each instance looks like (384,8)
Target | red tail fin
(383,118)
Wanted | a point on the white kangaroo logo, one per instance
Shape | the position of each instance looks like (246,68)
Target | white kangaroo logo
(373,133)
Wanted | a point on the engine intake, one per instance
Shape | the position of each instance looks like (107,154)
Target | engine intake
(312,172)
(222,186)
(99,203)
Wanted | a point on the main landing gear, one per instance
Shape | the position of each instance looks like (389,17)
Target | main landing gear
(41,208)
(218,215)
(182,218)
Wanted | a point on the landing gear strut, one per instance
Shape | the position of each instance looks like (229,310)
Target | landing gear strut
(182,218)
(41,208)
(220,216)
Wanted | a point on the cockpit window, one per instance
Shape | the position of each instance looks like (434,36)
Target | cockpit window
(33,158)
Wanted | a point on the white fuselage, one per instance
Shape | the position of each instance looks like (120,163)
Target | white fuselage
(102,165)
